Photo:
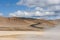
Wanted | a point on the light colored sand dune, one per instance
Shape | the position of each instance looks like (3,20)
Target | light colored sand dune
(24,24)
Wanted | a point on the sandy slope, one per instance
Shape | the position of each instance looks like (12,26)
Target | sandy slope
(28,35)
(24,24)
(19,35)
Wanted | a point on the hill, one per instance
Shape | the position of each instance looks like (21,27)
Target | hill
(24,24)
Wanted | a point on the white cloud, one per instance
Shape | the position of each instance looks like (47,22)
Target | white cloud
(39,9)
(53,1)
(11,14)
(17,14)
(49,13)
(37,2)
(31,3)
(52,5)
(37,13)
(29,14)
(1,14)
(21,14)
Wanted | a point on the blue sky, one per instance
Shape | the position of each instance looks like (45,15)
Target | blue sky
(8,6)
(47,9)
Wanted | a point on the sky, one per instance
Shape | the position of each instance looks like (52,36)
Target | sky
(45,9)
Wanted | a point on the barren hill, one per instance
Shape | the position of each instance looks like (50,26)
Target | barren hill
(24,24)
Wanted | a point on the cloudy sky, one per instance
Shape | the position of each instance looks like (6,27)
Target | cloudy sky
(46,9)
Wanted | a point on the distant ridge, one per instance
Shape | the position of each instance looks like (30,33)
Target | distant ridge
(24,24)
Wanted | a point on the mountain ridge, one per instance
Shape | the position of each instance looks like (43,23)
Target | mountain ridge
(24,24)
